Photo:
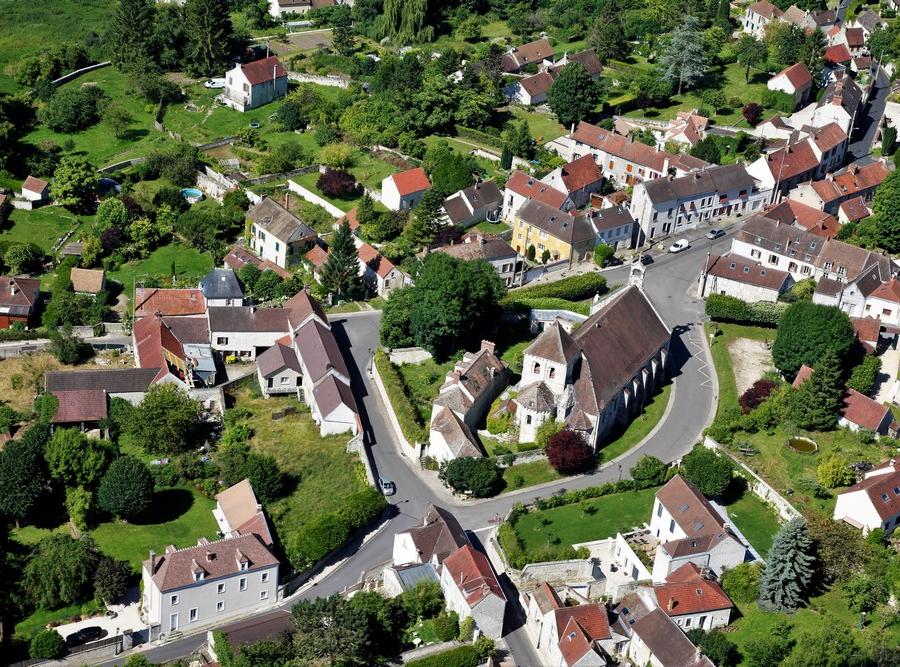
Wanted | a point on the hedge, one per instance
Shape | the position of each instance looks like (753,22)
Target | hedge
(463,656)
(724,308)
(524,305)
(778,100)
(407,415)
(573,288)
(479,137)
(577,495)
(619,66)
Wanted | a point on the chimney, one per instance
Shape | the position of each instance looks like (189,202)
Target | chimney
(461,577)
(488,345)
(210,556)
(426,520)
(152,562)
(457,376)
(671,605)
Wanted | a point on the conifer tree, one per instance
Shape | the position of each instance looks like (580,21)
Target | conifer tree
(684,61)
(819,398)
(341,271)
(211,33)
(131,35)
(789,568)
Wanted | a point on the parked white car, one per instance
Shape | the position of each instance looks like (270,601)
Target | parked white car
(215,83)
(678,246)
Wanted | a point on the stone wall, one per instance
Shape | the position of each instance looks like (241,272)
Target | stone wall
(84,70)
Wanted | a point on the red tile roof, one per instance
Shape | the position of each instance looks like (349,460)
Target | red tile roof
(826,137)
(889,291)
(533,52)
(880,488)
(238,257)
(263,71)
(837,54)
(532,188)
(80,405)
(33,184)
(697,516)
(350,217)
(538,84)
(793,212)
(863,411)
(591,617)
(685,573)
(317,256)
(747,271)
(855,179)
(152,300)
(791,161)
(374,260)
(472,574)
(581,173)
(667,641)
(575,643)
(798,75)
(87,280)
(411,181)
(856,37)
(802,376)
(867,330)
(176,569)
(855,209)
(691,597)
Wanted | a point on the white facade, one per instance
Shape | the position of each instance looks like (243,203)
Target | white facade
(243,95)
(726,553)
(488,613)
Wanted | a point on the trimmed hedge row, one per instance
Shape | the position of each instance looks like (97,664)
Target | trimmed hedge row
(524,305)
(577,495)
(407,415)
(778,100)
(463,656)
(479,137)
(724,308)
(573,288)
(329,531)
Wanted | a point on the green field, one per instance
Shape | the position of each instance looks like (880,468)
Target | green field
(617,513)
(28,27)
(755,520)
(179,516)
(528,474)
(423,381)
(727,333)
(190,266)
(42,226)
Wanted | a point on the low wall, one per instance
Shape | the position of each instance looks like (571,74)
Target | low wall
(120,165)
(303,77)
(315,199)
(357,444)
(217,143)
(425,651)
(211,186)
(517,162)
(760,487)
(268,178)
(84,70)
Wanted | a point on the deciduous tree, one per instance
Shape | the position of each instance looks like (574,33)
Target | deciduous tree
(573,95)
(166,421)
(478,476)
(707,470)
(111,579)
(805,331)
(647,472)
(60,571)
(23,474)
(76,460)
(74,183)
(568,453)
(337,183)
(742,582)
(265,476)
(331,631)
(394,330)
(886,210)
(863,377)
(126,489)
(789,568)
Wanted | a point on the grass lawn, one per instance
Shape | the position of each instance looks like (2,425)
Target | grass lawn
(423,381)
(616,513)
(179,516)
(728,396)
(640,427)
(322,471)
(755,520)
(29,28)
(308,181)
(43,226)
(39,619)
(730,80)
(190,266)
(529,474)
(345,307)
(544,126)
(98,143)
(492,227)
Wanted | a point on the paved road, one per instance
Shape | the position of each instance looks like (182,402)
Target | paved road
(667,282)
(867,125)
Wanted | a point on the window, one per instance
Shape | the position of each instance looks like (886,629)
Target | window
(629,168)
(246,88)
(828,266)
(805,270)
(521,224)
(543,235)
(194,614)
(773,259)
(264,595)
(221,340)
(264,578)
(242,584)
(687,622)
(541,247)
(277,246)
(262,235)
(552,373)
(536,369)
(220,588)
(672,526)
(284,380)
(612,164)
(842,271)
(198,576)
(243,566)
(886,312)
(253,230)
(658,509)
(220,605)
(756,254)
(528,420)
(520,237)
(173,600)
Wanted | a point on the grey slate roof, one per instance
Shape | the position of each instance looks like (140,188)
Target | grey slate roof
(274,219)
(277,358)
(221,284)
(715,179)
(124,380)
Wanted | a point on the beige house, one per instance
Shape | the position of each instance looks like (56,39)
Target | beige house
(471,590)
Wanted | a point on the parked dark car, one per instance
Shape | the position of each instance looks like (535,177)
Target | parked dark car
(89,634)
(646,259)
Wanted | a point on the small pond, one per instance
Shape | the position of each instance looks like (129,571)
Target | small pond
(803,445)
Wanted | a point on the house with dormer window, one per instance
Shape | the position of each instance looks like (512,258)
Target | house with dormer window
(873,502)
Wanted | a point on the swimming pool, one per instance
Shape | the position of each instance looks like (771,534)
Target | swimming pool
(192,195)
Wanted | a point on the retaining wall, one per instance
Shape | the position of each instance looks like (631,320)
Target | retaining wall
(120,165)
(315,199)
(268,178)
(302,77)
(77,73)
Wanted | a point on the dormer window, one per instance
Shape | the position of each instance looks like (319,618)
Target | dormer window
(552,373)
(243,566)
(198,576)
(537,368)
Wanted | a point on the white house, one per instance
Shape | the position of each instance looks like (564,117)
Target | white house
(614,226)
(795,81)
(671,205)
(691,600)
(378,273)
(532,89)
(874,502)
(436,535)
(742,278)
(187,588)
(449,438)
(35,190)
(520,188)
(278,235)
(239,513)
(221,287)
(578,179)
(653,638)
(758,16)
(689,529)
(471,590)
(404,190)
(278,8)
(255,84)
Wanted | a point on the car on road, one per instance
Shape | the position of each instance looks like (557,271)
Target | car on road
(215,83)
(88,634)
(678,246)
(387,487)
(646,259)
(715,233)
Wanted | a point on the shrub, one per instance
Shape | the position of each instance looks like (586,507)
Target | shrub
(833,472)
(864,376)
(602,253)
(362,508)
(446,626)
(649,471)
(337,156)
(478,476)
(724,308)
(742,582)
(337,183)
(573,288)
(568,453)
(778,100)
(464,656)
(318,538)
(755,395)
(519,304)
(546,431)
(49,644)
(888,138)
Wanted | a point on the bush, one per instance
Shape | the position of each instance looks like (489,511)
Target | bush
(724,308)
(648,472)
(478,476)
(318,538)
(568,453)
(337,156)
(778,100)
(446,626)
(864,376)
(755,395)
(833,472)
(73,109)
(48,644)
(888,138)
(602,253)
(524,305)
(337,183)
(742,582)
(362,508)
(709,471)
(546,431)
(573,288)
(464,656)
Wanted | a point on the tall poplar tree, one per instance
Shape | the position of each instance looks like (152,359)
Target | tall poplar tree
(341,271)
(789,567)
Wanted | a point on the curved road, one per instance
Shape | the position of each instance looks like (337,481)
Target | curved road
(692,406)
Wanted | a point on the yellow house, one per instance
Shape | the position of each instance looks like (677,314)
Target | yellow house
(547,228)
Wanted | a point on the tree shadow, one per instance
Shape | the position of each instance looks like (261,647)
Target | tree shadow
(761,78)
(167,505)
(134,134)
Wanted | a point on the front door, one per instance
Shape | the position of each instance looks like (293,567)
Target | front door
(173,622)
